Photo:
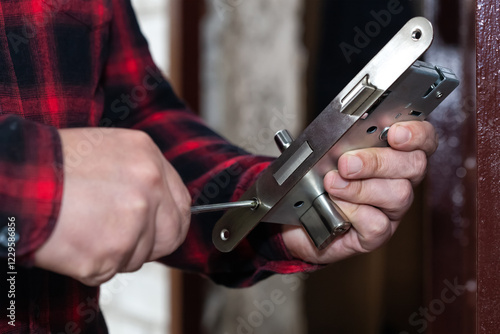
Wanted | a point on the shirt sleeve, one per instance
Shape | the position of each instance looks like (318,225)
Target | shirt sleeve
(30,188)
(138,97)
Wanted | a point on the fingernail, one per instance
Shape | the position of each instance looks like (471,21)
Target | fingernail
(354,164)
(402,135)
(338,182)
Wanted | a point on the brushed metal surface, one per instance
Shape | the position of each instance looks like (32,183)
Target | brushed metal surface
(321,135)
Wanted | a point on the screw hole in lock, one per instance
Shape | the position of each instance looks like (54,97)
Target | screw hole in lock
(224,234)
(371,129)
(298,204)
(416,34)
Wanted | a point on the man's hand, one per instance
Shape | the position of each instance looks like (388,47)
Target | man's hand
(123,204)
(373,187)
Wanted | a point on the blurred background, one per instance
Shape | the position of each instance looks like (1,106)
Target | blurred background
(253,67)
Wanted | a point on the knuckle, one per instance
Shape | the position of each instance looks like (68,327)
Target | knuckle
(378,228)
(371,161)
(429,130)
(93,275)
(427,137)
(359,191)
(133,267)
(140,138)
(404,194)
(117,251)
(148,173)
(378,162)
(134,204)
(132,226)
(86,273)
(144,165)
(434,143)
(419,162)
(419,134)
(419,130)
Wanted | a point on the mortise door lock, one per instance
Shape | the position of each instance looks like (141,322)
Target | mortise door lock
(393,87)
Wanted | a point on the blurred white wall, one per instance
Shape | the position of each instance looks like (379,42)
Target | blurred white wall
(253,71)
(139,303)
(153,16)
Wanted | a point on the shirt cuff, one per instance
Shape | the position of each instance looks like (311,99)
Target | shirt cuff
(31,170)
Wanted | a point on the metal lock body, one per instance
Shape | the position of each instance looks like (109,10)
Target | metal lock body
(393,87)
(307,201)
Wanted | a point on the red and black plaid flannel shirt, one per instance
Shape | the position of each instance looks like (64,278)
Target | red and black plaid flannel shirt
(84,63)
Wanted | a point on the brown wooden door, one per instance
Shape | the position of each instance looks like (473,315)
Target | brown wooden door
(488,162)
(463,252)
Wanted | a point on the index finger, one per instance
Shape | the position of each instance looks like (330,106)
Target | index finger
(413,135)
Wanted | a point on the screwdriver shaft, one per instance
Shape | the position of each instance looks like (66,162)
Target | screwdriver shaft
(224,206)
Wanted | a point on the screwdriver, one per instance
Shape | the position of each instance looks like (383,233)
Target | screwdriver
(252,204)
